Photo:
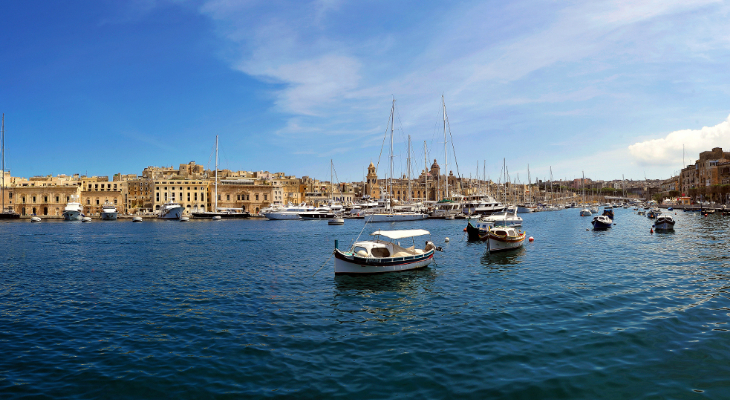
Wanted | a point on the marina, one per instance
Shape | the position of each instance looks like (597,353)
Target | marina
(576,313)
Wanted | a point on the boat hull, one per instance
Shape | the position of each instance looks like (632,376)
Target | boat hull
(172,213)
(281,215)
(72,215)
(498,243)
(109,216)
(7,215)
(316,216)
(345,264)
(662,224)
(395,217)
(210,215)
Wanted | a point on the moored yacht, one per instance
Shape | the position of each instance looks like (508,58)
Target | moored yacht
(74,210)
(664,222)
(108,212)
(500,239)
(171,210)
(379,256)
(288,212)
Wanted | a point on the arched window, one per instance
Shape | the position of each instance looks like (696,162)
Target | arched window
(45,210)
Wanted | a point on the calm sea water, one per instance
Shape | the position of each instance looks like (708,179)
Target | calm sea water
(235,309)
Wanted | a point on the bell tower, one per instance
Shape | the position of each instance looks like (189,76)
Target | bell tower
(371,186)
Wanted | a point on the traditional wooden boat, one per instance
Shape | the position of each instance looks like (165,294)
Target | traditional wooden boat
(664,222)
(602,222)
(500,239)
(380,256)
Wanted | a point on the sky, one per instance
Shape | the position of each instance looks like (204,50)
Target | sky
(605,88)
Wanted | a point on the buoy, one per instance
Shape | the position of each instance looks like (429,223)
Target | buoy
(464,229)
(651,230)
(446,240)
(705,215)
(532,239)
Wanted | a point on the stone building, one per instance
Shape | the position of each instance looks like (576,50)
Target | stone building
(247,194)
(192,194)
(139,196)
(41,197)
(97,191)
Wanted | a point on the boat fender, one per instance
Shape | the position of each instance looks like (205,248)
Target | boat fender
(532,239)
(446,240)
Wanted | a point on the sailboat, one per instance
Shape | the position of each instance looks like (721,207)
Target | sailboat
(390,215)
(5,213)
(219,213)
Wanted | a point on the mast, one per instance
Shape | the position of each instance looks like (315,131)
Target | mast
(446,158)
(332,188)
(410,195)
(216,174)
(392,123)
(2,149)
(425,165)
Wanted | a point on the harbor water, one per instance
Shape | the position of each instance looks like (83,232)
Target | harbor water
(235,309)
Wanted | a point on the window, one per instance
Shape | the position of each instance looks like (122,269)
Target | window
(97,201)
(195,196)
(45,200)
(22,200)
(188,196)
(115,201)
(33,201)
(228,197)
(10,195)
(45,210)
(56,199)
(266,197)
(88,201)
(158,197)
(257,199)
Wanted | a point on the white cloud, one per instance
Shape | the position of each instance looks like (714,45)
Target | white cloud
(668,150)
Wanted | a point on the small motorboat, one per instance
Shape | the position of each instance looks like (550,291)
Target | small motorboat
(585,212)
(664,222)
(86,219)
(501,238)
(336,221)
(478,230)
(653,213)
(602,222)
(187,219)
(379,256)
(35,219)
(137,219)
(215,218)
(608,211)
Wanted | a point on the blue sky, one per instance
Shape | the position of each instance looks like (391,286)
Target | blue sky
(605,87)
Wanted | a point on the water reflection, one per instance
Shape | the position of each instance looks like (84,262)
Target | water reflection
(406,282)
(503,258)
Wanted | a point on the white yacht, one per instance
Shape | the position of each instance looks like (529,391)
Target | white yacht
(526,208)
(318,213)
(74,210)
(171,210)
(109,212)
(506,219)
(288,212)
(446,208)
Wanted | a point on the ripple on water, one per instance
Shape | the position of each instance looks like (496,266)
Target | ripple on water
(235,308)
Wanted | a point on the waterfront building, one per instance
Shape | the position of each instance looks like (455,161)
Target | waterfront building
(98,190)
(192,194)
(42,196)
(139,197)
(248,194)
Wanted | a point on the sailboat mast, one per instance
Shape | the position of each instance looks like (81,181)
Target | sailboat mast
(392,123)
(2,139)
(446,158)
(425,165)
(410,196)
(332,187)
(216,174)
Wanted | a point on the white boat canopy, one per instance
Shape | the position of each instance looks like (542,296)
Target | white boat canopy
(401,234)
